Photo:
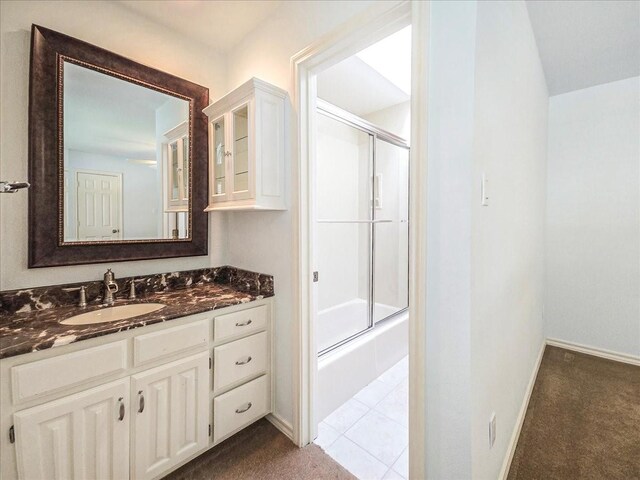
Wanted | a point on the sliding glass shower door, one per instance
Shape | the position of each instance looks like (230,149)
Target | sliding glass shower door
(391,230)
(361,227)
(343,231)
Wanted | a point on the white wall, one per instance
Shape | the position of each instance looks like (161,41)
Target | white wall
(263,241)
(395,119)
(451,95)
(119,30)
(593,217)
(507,237)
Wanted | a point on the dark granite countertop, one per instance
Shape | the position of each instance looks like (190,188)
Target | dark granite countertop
(38,329)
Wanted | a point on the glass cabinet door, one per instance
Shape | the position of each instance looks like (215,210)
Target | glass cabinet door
(185,168)
(241,149)
(174,172)
(220,155)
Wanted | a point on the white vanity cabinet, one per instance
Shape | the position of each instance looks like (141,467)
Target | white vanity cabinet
(139,403)
(247,148)
(84,435)
(171,421)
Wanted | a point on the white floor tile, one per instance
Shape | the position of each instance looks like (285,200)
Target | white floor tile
(326,435)
(401,466)
(373,393)
(346,415)
(381,437)
(392,475)
(396,374)
(396,405)
(356,460)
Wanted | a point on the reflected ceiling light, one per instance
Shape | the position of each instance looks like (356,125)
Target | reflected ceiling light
(150,163)
(391,57)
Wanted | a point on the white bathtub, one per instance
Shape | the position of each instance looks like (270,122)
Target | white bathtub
(349,368)
(341,321)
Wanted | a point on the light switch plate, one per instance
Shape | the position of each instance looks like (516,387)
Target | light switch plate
(485,191)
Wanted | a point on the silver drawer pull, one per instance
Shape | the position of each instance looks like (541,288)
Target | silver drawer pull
(244,324)
(120,409)
(242,410)
(243,362)
(140,402)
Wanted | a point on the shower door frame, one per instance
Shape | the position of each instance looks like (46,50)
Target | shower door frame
(375,132)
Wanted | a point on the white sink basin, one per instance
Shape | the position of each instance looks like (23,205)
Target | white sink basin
(112,314)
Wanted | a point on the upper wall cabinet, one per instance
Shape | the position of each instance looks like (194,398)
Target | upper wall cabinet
(247,148)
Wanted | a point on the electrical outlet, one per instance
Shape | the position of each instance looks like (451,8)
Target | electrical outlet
(492,429)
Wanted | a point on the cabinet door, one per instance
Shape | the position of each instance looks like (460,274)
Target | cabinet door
(171,414)
(219,154)
(242,156)
(82,436)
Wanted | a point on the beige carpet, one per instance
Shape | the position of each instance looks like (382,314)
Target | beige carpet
(583,420)
(260,451)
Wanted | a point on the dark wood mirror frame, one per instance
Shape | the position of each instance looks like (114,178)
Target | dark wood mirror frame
(46,247)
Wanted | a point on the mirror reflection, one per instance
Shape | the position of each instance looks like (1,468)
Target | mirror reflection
(126,160)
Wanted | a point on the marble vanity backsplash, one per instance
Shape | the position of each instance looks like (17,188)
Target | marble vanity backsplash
(41,298)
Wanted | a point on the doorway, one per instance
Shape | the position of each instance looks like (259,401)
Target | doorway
(339,45)
(99,205)
(361,322)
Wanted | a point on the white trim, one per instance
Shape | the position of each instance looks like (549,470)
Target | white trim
(597,352)
(420,14)
(281,424)
(511,449)
(377,23)
(177,132)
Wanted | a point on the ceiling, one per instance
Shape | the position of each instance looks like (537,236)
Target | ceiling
(586,43)
(376,78)
(356,87)
(220,24)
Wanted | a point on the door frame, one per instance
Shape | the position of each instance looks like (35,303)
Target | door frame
(377,23)
(120,199)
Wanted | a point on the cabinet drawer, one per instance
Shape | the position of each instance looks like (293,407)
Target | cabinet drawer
(243,322)
(164,343)
(51,374)
(239,407)
(239,360)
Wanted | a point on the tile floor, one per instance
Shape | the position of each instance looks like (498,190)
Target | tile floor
(368,434)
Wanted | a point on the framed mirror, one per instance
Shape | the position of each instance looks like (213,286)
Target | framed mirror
(117,157)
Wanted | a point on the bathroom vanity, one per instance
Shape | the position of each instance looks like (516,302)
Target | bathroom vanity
(138,397)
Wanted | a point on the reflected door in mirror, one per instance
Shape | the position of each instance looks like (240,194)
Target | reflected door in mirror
(99,206)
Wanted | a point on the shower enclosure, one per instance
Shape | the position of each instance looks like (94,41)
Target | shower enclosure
(361,226)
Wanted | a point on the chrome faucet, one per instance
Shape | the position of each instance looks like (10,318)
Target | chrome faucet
(110,287)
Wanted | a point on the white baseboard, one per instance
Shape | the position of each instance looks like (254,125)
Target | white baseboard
(281,424)
(511,449)
(598,352)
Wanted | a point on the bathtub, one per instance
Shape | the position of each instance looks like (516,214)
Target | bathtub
(347,369)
